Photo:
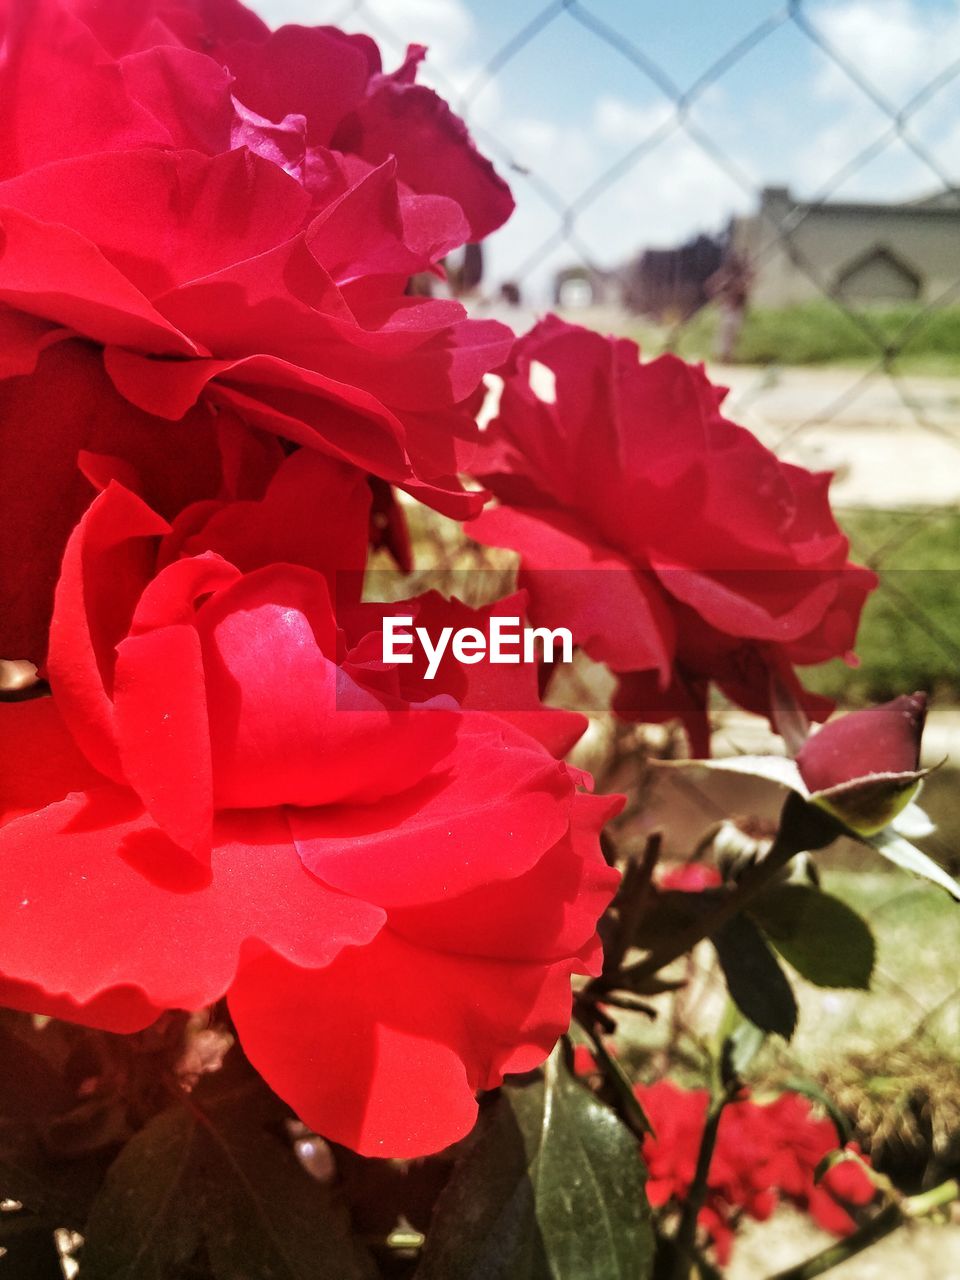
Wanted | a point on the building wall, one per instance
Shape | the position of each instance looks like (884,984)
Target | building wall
(830,240)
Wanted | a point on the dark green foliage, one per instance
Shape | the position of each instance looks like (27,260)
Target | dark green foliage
(824,939)
(550,1188)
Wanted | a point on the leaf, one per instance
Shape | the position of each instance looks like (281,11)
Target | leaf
(778,769)
(550,1188)
(223,1179)
(903,854)
(758,986)
(144,1223)
(824,939)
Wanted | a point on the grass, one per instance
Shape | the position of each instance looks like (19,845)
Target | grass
(910,633)
(823,333)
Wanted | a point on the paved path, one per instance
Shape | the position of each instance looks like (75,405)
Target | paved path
(892,444)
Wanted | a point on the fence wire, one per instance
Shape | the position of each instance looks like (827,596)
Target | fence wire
(912,445)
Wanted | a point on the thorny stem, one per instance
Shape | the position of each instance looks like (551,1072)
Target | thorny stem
(890,1217)
(800,828)
(750,884)
(686,1238)
(634,896)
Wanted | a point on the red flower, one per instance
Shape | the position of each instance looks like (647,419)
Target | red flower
(763,1152)
(675,546)
(159,290)
(691,877)
(221,798)
(83,76)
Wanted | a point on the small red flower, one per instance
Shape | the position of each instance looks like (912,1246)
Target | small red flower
(764,1152)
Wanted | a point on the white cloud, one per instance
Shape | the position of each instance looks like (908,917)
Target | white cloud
(898,46)
(617,121)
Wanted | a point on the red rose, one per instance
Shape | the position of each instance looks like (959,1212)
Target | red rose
(876,740)
(506,689)
(83,76)
(221,798)
(691,877)
(154,299)
(676,547)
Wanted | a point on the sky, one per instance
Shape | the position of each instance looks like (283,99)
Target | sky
(568,107)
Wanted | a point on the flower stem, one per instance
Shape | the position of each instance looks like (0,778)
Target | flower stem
(801,828)
(685,1254)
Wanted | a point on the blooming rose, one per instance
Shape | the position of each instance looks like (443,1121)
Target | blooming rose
(84,76)
(228,795)
(677,549)
(763,1152)
(177,285)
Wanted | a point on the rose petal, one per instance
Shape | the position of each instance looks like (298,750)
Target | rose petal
(165,925)
(385,1049)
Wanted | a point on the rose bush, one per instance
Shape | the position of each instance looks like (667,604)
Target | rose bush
(227,777)
(178,294)
(226,816)
(676,547)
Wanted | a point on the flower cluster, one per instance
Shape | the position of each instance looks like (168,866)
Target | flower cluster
(212,375)
(214,378)
(765,1153)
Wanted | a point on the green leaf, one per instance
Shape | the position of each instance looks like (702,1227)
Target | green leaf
(758,986)
(903,854)
(824,939)
(225,1180)
(549,1188)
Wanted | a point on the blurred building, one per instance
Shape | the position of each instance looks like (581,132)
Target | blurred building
(861,252)
(667,284)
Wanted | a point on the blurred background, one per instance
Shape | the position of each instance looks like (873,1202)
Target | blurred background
(773,189)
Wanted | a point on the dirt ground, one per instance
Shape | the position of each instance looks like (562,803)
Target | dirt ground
(925,1251)
(891,443)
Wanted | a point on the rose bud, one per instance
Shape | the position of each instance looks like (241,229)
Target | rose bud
(865,767)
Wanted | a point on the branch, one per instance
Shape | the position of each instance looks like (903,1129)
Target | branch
(801,828)
(686,1238)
